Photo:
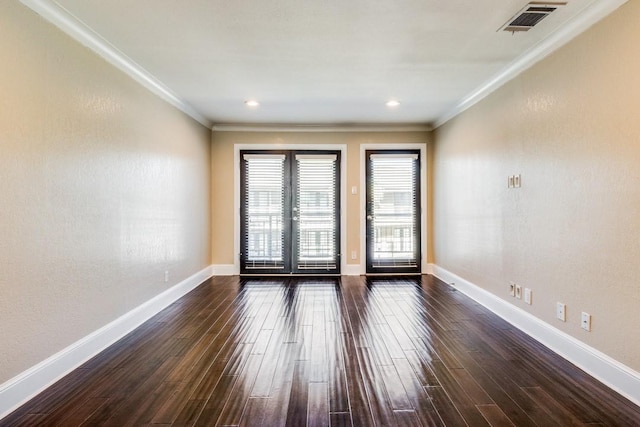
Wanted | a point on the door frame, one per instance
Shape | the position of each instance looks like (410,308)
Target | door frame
(342,148)
(422,147)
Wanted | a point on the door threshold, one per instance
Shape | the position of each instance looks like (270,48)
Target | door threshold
(393,274)
(292,275)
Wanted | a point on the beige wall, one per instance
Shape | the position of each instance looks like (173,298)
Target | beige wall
(222,166)
(103,187)
(571,127)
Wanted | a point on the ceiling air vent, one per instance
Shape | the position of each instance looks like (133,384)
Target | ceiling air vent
(530,15)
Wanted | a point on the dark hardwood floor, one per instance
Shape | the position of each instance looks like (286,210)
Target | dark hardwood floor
(349,351)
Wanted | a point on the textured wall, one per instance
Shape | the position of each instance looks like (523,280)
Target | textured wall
(223,166)
(570,126)
(103,187)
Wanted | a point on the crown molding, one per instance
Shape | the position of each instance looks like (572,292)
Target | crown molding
(574,27)
(321,128)
(78,30)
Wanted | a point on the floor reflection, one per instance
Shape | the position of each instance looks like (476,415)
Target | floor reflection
(286,336)
(297,338)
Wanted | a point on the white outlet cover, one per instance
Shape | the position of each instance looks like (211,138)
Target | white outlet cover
(561,311)
(585,322)
(512,289)
(527,295)
(518,291)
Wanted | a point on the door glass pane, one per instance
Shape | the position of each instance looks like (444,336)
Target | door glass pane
(264,211)
(393,223)
(315,222)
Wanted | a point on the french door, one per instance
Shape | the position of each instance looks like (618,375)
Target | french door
(290,219)
(393,211)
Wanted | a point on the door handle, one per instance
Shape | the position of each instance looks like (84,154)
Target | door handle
(369,217)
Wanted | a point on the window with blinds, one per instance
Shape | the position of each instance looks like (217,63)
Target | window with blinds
(393,212)
(263,211)
(315,220)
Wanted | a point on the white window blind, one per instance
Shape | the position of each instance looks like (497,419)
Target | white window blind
(393,224)
(264,211)
(315,212)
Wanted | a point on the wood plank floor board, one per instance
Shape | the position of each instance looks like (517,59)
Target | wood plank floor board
(458,395)
(104,413)
(504,399)
(375,388)
(349,351)
(407,418)
(420,401)
(241,391)
(566,390)
(506,380)
(253,412)
(318,404)
(140,395)
(494,416)
(187,416)
(277,406)
(358,400)
(560,414)
(422,367)
(215,404)
(340,419)
(299,397)
(447,410)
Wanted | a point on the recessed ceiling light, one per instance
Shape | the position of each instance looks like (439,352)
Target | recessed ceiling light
(393,103)
(252,103)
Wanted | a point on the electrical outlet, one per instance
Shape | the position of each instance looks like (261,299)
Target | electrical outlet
(528,294)
(585,322)
(517,181)
(512,289)
(518,291)
(561,311)
(354,254)
(166,275)
(510,181)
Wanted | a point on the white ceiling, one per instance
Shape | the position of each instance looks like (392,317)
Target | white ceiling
(324,61)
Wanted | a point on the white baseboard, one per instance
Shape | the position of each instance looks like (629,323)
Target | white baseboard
(225,270)
(609,371)
(352,270)
(29,383)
